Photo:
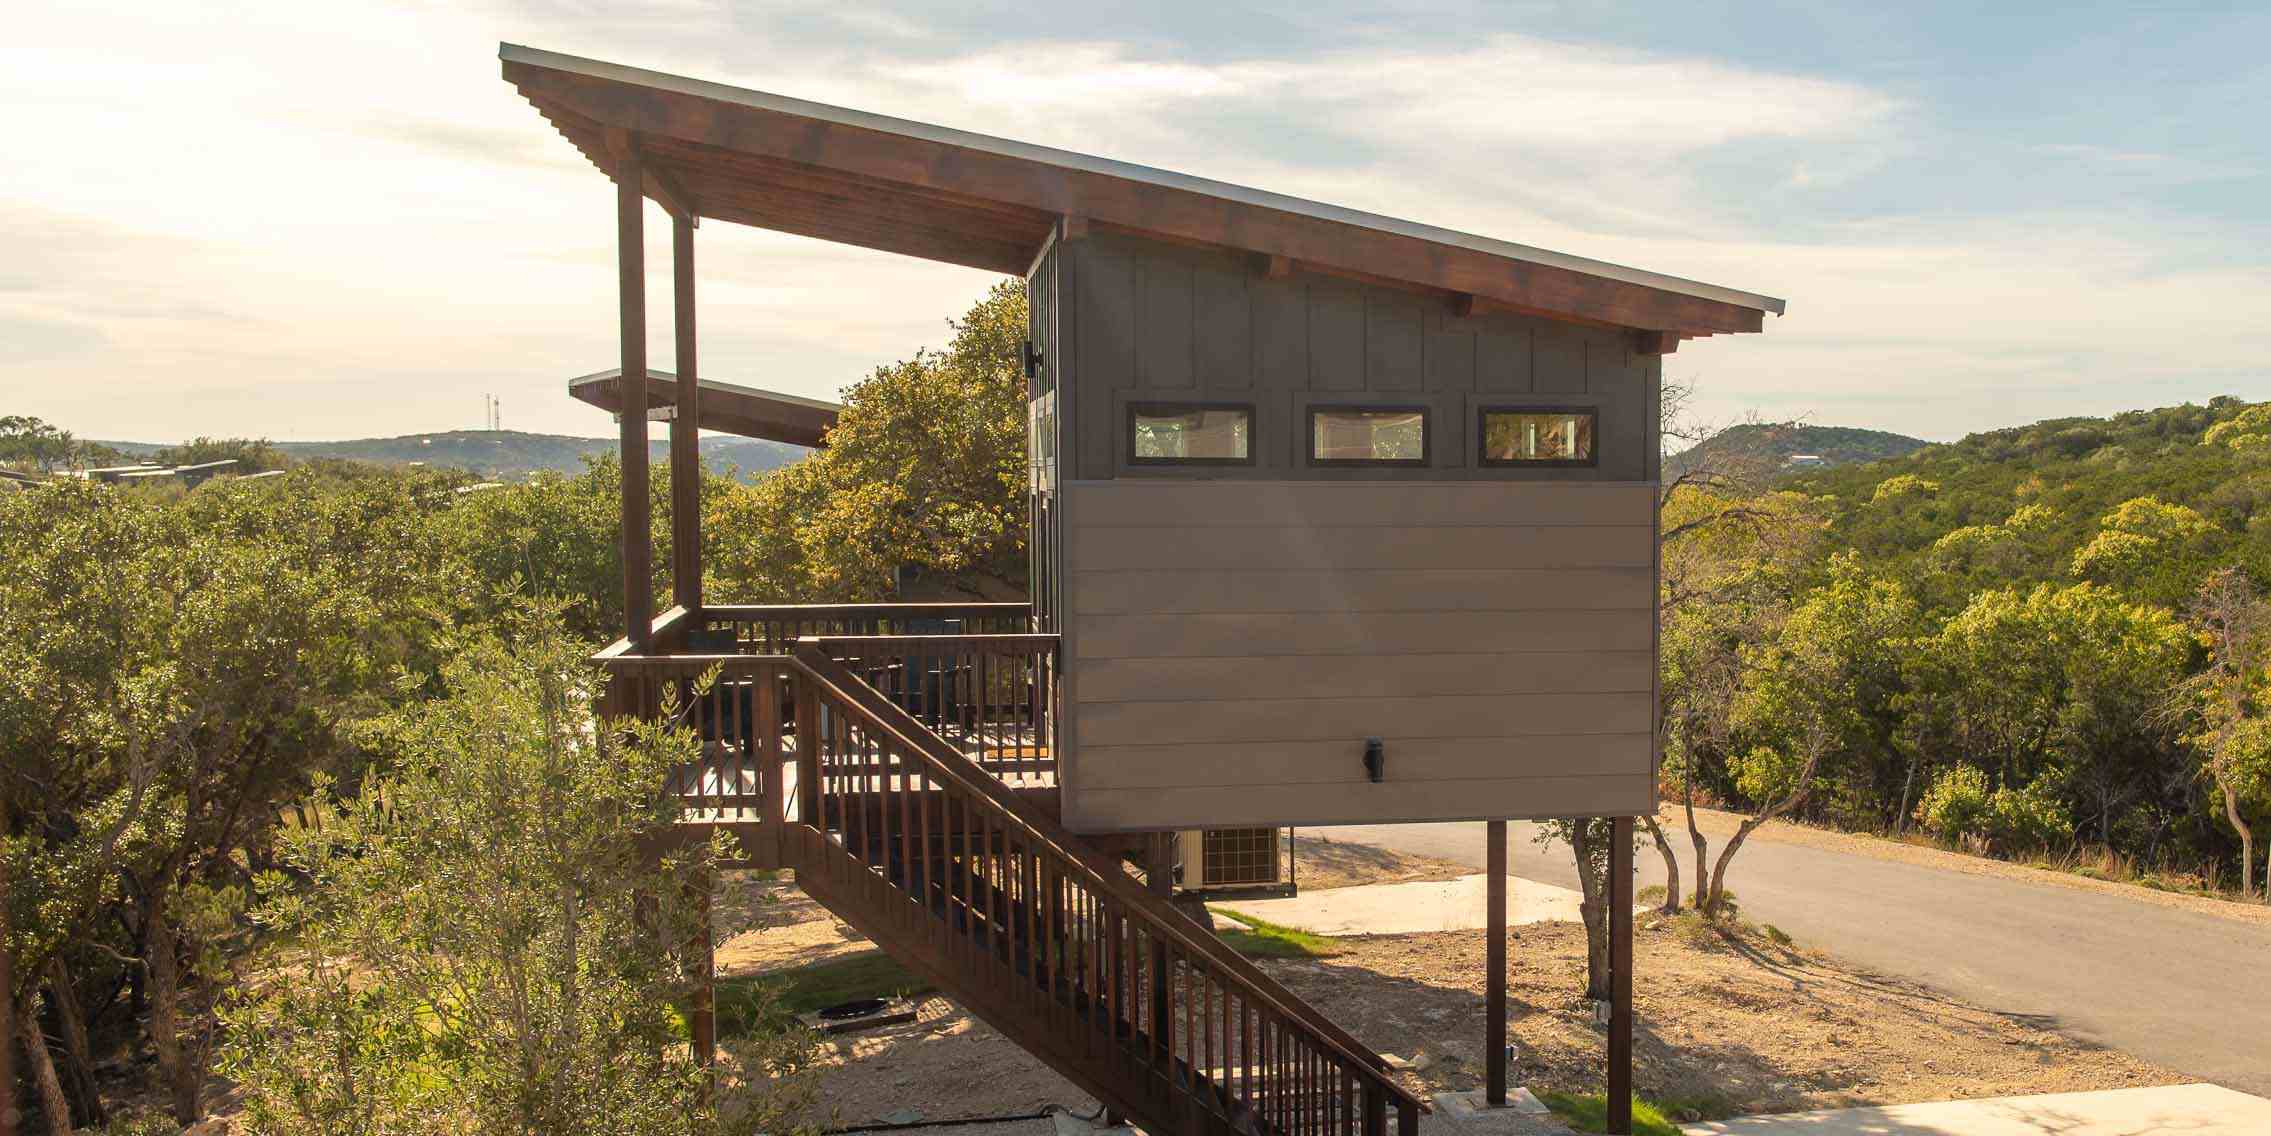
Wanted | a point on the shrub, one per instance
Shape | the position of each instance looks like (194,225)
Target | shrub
(1957,805)
(2032,817)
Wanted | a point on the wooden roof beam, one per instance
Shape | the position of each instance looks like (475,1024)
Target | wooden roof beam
(654,183)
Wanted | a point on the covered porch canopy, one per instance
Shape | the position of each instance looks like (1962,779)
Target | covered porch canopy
(722,407)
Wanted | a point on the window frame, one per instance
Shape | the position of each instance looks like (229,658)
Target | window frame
(1482,438)
(1425,460)
(1156,408)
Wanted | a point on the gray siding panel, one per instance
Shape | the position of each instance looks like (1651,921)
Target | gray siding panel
(1299,504)
(1336,336)
(1392,359)
(1281,334)
(1558,352)
(1119,593)
(1210,806)
(1360,548)
(1236,626)
(1163,349)
(1222,318)
(1372,634)
(1362,676)
(1269,764)
(1327,719)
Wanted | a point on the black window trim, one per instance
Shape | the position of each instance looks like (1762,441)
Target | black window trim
(1137,410)
(1482,438)
(1426,458)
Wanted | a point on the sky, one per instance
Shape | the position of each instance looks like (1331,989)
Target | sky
(314,219)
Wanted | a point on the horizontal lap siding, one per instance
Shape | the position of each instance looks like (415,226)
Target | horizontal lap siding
(1208,806)
(1131,592)
(1303,763)
(1359,676)
(1232,645)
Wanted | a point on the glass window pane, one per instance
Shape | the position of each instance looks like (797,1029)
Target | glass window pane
(1359,434)
(1513,436)
(1192,433)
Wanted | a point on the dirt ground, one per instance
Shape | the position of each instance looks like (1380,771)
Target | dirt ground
(1726,1023)
(1729,1023)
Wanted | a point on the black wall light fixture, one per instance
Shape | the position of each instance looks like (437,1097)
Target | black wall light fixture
(1375,760)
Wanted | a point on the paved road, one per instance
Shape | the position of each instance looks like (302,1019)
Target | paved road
(2186,990)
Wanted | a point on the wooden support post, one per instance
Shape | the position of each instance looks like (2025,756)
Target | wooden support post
(685,429)
(9,1115)
(631,284)
(1620,976)
(1494,956)
(703,1022)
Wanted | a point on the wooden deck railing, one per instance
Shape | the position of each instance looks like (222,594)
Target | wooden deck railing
(773,629)
(989,695)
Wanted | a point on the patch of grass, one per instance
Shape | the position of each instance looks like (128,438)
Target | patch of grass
(770,1001)
(1264,939)
(1780,937)
(1589,1112)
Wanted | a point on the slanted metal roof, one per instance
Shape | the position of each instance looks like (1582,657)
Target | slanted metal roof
(724,407)
(753,157)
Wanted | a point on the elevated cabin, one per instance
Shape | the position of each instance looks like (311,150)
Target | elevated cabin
(1335,518)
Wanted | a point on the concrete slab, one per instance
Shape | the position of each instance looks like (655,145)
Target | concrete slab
(2195,1110)
(1411,908)
(1465,1114)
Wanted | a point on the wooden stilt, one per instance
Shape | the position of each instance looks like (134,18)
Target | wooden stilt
(9,1116)
(1494,984)
(1620,976)
(631,283)
(703,1022)
(685,429)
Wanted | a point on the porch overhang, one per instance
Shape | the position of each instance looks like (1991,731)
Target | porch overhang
(706,149)
(722,407)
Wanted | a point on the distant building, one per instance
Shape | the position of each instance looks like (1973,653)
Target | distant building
(1804,461)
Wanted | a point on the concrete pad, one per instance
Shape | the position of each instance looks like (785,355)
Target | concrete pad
(2195,1110)
(1465,1114)
(1405,909)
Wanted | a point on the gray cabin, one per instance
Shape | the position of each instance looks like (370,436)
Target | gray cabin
(1335,518)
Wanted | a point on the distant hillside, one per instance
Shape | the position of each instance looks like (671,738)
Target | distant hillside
(2027,498)
(1771,446)
(511,454)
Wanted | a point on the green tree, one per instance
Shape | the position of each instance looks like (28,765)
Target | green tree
(476,943)
(924,474)
(32,443)
(252,455)
(2057,681)
(2228,700)
(2151,548)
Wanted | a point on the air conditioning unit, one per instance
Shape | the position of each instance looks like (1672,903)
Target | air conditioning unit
(1235,861)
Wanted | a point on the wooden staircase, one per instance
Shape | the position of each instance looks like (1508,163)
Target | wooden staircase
(909,840)
(899,825)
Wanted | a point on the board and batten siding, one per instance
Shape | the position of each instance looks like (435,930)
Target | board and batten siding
(1232,643)
(1144,321)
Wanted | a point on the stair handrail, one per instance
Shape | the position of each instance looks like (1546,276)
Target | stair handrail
(946,763)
